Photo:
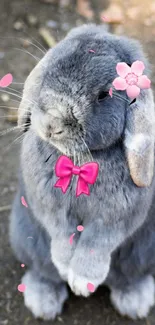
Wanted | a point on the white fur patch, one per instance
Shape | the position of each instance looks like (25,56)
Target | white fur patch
(137,302)
(41,299)
(62,269)
(78,284)
(137,142)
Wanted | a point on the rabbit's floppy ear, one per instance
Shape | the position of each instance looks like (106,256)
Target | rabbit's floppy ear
(140,138)
(30,95)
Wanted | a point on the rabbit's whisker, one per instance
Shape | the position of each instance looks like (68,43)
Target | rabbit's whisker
(18,83)
(10,93)
(35,41)
(15,100)
(17,91)
(13,128)
(15,108)
(13,142)
(9,107)
(27,52)
(22,39)
(6,116)
(88,151)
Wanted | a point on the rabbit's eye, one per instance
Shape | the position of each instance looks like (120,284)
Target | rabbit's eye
(133,101)
(102,95)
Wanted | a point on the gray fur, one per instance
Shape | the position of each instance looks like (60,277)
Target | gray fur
(65,99)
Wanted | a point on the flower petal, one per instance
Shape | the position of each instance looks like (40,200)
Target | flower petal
(110,92)
(138,67)
(144,82)
(133,91)
(119,83)
(122,69)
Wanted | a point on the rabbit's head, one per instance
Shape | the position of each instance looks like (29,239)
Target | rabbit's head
(66,98)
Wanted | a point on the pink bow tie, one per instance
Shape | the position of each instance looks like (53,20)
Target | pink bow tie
(65,169)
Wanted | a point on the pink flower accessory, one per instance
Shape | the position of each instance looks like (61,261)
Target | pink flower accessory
(87,174)
(131,78)
(110,92)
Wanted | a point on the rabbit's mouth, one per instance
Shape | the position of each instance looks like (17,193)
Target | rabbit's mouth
(70,147)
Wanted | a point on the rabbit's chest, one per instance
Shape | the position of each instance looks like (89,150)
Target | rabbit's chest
(110,193)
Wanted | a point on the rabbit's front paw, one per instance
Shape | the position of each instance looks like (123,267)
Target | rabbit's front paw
(78,284)
(81,275)
(137,300)
(61,267)
(44,299)
(61,253)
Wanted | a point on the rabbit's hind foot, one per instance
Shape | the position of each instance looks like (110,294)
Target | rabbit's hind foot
(137,300)
(45,300)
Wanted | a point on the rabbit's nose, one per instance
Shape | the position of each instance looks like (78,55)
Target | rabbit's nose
(54,131)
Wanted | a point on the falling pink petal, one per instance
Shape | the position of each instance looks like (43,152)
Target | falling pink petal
(119,83)
(90,287)
(92,51)
(138,67)
(133,91)
(71,238)
(110,92)
(80,228)
(104,18)
(122,69)
(144,82)
(6,80)
(24,202)
(21,287)
(22,265)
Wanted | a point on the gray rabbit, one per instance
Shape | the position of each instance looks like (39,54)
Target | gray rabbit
(66,110)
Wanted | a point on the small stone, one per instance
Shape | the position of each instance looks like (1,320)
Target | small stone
(133,13)
(49,1)
(4,322)
(119,30)
(79,22)
(18,25)
(12,188)
(114,14)
(26,42)
(65,27)
(2,54)
(52,24)
(5,190)
(8,295)
(32,20)
(153,7)
(64,3)
(84,9)
(75,321)
(149,22)
(60,319)
(5,98)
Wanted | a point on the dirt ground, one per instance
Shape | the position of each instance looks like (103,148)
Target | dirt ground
(96,309)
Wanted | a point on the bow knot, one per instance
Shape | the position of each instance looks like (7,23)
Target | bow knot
(76,170)
(87,174)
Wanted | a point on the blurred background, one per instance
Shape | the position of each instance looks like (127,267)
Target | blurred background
(27,29)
